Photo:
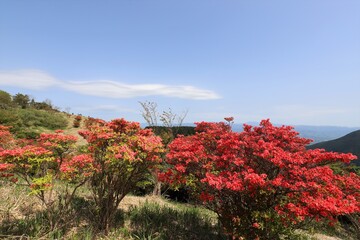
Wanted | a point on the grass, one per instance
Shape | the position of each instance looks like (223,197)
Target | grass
(153,221)
(22,217)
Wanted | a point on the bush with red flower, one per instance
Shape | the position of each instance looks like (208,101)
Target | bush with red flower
(122,155)
(262,182)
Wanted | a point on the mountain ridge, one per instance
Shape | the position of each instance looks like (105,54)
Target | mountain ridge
(350,143)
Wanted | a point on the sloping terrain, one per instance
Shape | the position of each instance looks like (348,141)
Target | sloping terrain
(349,143)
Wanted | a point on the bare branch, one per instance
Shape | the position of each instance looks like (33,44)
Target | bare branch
(149,112)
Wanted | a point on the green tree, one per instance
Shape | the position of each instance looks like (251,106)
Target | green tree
(22,100)
(5,99)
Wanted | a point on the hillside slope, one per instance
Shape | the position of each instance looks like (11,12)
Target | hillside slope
(349,143)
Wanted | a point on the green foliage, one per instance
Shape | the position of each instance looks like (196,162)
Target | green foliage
(41,105)
(5,99)
(21,100)
(181,130)
(9,117)
(342,168)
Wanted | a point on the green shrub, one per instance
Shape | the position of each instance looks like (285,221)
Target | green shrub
(5,100)
(27,133)
(8,116)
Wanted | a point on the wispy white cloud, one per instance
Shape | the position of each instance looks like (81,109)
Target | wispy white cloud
(112,89)
(30,79)
(35,79)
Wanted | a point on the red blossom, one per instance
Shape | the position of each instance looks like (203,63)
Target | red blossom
(79,167)
(256,225)
(6,138)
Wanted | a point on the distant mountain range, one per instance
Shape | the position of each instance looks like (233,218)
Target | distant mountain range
(316,133)
(349,143)
(323,133)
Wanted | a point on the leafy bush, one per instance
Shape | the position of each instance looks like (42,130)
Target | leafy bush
(122,154)
(39,165)
(262,182)
(9,117)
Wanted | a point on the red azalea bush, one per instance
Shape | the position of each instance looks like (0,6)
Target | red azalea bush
(6,140)
(261,182)
(77,121)
(38,165)
(122,154)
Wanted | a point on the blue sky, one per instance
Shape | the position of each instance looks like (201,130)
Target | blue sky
(295,62)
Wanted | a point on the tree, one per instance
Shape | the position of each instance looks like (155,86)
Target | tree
(168,118)
(45,105)
(261,182)
(149,113)
(22,100)
(5,99)
(122,154)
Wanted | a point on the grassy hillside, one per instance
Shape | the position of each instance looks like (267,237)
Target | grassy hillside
(28,123)
(27,117)
(349,143)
